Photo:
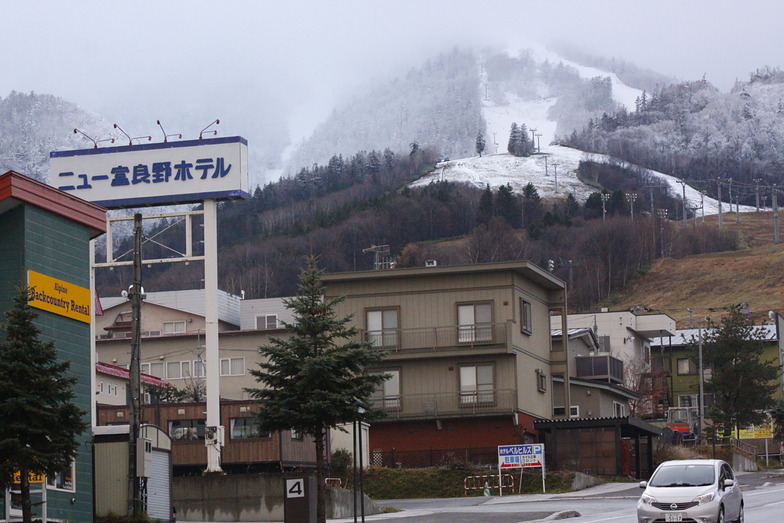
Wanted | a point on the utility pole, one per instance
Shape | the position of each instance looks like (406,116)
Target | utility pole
(683,206)
(605,197)
(702,204)
(775,215)
(756,192)
(538,143)
(718,197)
(545,165)
(135,295)
(631,197)
(662,216)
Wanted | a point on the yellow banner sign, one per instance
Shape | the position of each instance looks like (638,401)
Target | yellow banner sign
(32,477)
(59,297)
(756,431)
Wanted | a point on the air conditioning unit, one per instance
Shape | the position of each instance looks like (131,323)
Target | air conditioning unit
(431,263)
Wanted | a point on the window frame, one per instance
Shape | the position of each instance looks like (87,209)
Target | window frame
(266,318)
(478,396)
(251,434)
(388,336)
(52,481)
(197,428)
(477,331)
(175,324)
(560,411)
(526,319)
(692,367)
(541,380)
(231,366)
(386,400)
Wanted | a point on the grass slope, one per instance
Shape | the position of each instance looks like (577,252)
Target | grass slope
(708,283)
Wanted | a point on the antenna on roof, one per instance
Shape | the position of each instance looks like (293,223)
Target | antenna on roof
(166,136)
(130,140)
(379,262)
(95,142)
(214,132)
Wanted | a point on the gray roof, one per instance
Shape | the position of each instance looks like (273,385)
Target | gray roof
(684,336)
(190,301)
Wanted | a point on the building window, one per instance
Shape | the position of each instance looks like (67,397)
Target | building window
(157,369)
(686,367)
(178,369)
(232,366)
(244,428)
(63,480)
(173,327)
(692,400)
(475,322)
(382,327)
(619,409)
(559,411)
(265,322)
(199,369)
(387,395)
(525,317)
(541,380)
(296,435)
(187,429)
(476,384)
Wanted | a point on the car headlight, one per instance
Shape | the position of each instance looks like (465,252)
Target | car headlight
(705,498)
(647,499)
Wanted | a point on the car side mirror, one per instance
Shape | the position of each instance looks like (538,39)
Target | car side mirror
(643,484)
(729,483)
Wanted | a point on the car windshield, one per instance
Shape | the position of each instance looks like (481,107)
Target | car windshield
(685,475)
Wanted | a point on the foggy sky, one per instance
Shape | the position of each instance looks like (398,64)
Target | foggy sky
(144,60)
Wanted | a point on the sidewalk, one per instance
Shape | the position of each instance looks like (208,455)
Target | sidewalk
(615,490)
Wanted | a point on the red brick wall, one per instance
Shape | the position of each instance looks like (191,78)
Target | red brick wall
(452,434)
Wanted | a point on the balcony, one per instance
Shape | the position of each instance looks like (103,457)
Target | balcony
(600,367)
(437,338)
(447,404)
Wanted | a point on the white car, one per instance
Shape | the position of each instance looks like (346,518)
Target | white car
(691,490)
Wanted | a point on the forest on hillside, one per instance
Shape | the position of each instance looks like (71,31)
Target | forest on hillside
(731,142)
(340,210)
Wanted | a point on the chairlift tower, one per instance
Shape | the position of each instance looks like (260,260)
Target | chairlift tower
(380,257)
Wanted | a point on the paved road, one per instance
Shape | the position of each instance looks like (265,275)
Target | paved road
(607,502)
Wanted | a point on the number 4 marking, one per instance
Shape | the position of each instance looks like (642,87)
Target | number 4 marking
(295,488)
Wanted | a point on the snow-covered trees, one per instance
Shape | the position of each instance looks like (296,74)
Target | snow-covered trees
(519,144)
(480,144)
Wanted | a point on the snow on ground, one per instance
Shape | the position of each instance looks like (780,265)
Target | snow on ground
(561,168)
(553,170)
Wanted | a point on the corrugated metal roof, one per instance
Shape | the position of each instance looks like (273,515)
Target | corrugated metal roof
(114,370)
(190,301)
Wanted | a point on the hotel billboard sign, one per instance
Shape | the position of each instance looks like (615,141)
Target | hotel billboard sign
(154,174)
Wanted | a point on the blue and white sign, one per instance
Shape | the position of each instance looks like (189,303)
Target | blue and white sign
(520,456)
(154,174)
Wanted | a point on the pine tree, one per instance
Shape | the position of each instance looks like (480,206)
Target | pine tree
(480,144)
(742,383)
(506,205)
(39,423)
(514,139)
(485,211)
(317,378)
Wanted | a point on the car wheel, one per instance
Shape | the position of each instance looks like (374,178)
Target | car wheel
(740,519)
(720,519)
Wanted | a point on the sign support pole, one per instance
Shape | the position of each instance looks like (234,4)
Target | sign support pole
(211,333)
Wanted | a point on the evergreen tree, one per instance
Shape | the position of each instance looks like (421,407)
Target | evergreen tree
(39,423)
(514,139)
(480,144)
(523,145)
(317,378)
(506,205)
(485,211)
(742,383)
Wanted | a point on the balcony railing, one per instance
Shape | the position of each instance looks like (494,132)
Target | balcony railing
(447,404)
(432,338)
(601,367)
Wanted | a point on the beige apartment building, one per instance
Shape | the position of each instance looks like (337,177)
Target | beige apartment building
(468,350)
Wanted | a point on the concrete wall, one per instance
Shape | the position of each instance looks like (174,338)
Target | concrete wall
(247,497)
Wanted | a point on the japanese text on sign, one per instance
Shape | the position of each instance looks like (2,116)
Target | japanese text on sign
(520,456)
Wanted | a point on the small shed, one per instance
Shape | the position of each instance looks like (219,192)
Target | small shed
(111,471)
(613,446)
